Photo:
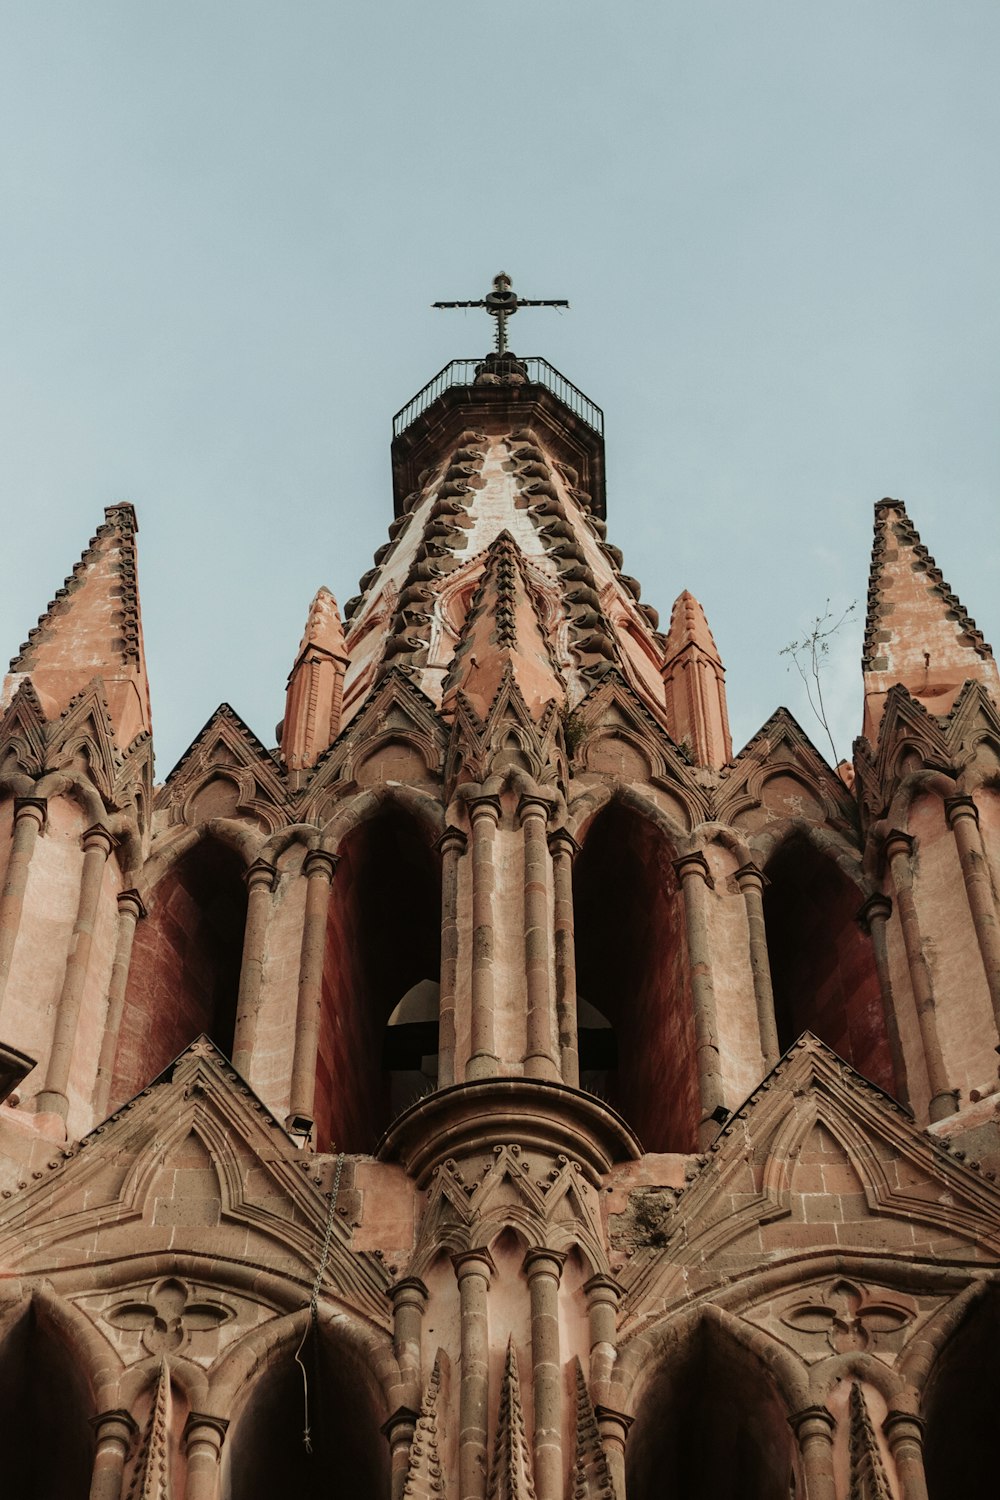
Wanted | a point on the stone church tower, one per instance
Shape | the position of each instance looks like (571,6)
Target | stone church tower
(499,1089)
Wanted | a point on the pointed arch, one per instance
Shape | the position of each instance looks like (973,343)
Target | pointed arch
(383,946)
(712,1398)
(46,1367)
(959,1400)
(342,1400)
(632,970)
(823,970)
(185,967)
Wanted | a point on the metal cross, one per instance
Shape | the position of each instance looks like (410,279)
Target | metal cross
(502,303)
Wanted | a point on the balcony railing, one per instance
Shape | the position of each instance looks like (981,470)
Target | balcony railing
(463,372)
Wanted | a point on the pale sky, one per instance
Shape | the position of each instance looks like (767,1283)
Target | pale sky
(223,224)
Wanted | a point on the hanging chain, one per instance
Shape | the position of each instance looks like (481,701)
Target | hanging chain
(313,1324)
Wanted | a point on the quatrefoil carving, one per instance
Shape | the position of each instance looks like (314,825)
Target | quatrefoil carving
(169,1316)
(848,1317)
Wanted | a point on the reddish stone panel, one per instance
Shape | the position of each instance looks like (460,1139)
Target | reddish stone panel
(631,958)
(822,964)
(185,969)
(383,937)
(964,1014)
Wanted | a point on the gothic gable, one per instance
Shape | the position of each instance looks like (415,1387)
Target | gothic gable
(197,1151)
(815,1133)
(780,774)
(225,771)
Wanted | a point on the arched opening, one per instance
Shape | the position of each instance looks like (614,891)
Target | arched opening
(185,972)
(48,1444)
(631,970)
(822,964)
(711,1423)
(265,1453)
(960,1407)
(378,1038)
(410,1045)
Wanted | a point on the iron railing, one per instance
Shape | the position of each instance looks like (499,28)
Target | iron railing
(463,372)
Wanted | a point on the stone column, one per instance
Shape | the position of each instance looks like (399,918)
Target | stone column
(452,846)
(29,818)
(873,917)
(543,1269)
(260,878)
(130,910)
(695,881)
(317,867)
(613,1427)
(963,819)
(944,1100)
(473,1269)
(203,1438)
(603,1294)
(485,816)
(399,1431)
(113,1431)
(540,1055)
(409,1299)
(813,1427)
(564,849)
(905,1434)
(752,882)
(98,843)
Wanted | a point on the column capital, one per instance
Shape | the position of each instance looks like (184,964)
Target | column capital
(260,874)
(487,806)
(98,837)
(902,1425)
(540,1261)
(960,807)
(453,840)
(531,805)
(561,841)
(473,1263)
(410,1291)
(320,862)
(812,1421)
(201,1426)
(401,1424)
(118,1423)
(602,1288)
(132,903)
(612,1423)
(751,877)
(694,863)
(898,842)
(877,908)
(35,808)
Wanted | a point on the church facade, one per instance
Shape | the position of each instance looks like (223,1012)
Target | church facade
(500,1089)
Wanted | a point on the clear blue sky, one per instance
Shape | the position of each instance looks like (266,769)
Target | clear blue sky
(778,225)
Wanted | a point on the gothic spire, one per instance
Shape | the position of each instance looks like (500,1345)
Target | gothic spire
(92,628)
(591,1475)
(868,1478)
(315,686)
(503,633)
(151,1475)
(917,631)
(695,684)
(424,1474)
(510,1476)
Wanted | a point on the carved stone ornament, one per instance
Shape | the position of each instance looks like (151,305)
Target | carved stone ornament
(169,1316)
(847,1317)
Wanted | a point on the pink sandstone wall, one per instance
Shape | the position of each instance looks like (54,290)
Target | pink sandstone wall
(632,965)
(964,1014)
(184,974)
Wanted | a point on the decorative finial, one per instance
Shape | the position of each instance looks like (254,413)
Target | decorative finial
(502,303)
